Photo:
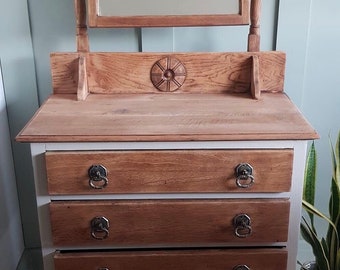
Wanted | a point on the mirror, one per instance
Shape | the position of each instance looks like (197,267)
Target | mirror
(162,7)
(154,13)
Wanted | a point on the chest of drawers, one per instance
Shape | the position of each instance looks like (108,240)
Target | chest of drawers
(223,203)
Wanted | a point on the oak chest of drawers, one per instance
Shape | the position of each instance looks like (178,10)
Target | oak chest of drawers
(132,176)
(224,203)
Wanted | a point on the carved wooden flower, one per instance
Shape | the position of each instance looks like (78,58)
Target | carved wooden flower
(168,74)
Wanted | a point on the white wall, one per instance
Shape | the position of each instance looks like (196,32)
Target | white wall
(311,37)
(19,80)
(11,239)
(309,31)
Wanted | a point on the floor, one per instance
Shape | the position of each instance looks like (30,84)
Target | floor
(30,260)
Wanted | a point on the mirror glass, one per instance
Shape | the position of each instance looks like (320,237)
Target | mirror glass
(153,13)
(165,7)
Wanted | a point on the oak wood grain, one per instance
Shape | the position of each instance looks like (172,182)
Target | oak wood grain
(206,72)
(255,87)
(167,117)
(169,222)
(81,26)
(217,259)
(254,30)
(169,171)
(82,90)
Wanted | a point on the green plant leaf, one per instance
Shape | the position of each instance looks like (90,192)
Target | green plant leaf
(333,246)
(325,247)
(337,159)
(311,209)
(332,235)
(310,236)
(334,205)
(326,250)
(336,181)
(306,234)
(310,178)
(337,266)
(334,201)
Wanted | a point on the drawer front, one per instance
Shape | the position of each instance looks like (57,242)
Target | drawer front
(262,259)
(165,223)
(168,171)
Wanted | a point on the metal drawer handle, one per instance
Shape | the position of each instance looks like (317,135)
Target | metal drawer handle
(98,177)
(242,226)
(241,267)
(103,268)
(100,228)
(244,175)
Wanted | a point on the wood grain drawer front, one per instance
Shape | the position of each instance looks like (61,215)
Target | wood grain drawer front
(169,171)
(169,222)
(261,259)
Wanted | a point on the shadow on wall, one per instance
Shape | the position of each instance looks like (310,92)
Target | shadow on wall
(11,239)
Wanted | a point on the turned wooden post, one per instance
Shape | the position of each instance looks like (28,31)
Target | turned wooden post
(254,30)
(81,27)
(82,48)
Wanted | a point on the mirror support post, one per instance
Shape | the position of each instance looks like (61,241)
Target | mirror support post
(82,48)
(254,30)
(81,26)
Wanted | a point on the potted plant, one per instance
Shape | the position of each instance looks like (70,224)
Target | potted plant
(325,245)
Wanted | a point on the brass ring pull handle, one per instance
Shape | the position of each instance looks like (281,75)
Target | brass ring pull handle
(242,226)
(241,267)
(244,175)
(100,228)
(98,177)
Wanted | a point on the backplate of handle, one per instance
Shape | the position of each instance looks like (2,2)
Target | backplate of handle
(100,228)
(241,267)
(242,226)
(244,175)
(98,176)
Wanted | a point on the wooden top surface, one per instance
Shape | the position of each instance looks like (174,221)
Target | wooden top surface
(167,117)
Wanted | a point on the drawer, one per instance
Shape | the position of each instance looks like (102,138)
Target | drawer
(216,259)
(145,223)
(168,171)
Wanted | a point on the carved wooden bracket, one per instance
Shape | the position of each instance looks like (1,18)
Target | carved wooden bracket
(255,87)
(82,89)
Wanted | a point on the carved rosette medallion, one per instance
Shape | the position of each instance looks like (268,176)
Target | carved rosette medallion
(168,74)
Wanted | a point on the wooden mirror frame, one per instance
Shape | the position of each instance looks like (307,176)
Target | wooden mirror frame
(82,63)
(95,20)
(245,5)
